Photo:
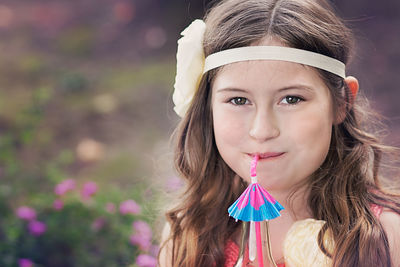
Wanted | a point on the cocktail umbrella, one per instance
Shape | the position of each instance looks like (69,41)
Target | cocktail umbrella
(254,205)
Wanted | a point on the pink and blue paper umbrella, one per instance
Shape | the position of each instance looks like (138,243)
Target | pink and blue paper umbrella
(255,204)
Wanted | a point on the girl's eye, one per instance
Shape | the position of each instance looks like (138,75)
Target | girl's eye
(292,100)
(239,101)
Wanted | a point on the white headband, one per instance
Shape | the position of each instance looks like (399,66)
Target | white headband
(191,64)
(275,53)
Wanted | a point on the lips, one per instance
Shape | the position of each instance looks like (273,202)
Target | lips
(267,155)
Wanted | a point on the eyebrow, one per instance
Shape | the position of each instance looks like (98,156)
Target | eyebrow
(231,89)
(291,87)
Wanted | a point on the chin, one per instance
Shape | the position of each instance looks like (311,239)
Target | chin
(272,185)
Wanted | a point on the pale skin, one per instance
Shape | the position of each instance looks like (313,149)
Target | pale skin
(258,111)
(274,106)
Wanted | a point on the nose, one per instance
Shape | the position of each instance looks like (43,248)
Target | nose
(264,126)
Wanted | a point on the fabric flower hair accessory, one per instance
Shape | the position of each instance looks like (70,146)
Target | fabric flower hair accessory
(190,65)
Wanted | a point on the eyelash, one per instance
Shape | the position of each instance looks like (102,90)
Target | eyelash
(234,99)
(300,99)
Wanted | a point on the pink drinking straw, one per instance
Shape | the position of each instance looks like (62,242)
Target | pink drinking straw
(253,172)
(259,245)
(254,205)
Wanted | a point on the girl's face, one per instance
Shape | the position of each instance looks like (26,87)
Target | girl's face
(280,110)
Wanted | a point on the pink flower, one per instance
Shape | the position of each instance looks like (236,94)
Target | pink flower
(58,204)
(142,228)
(142,236)
(129,207)
(25,263)
(88,190)
(98,224)
(143,242)
(110,207)
(64,187)
(37,228)
(26,213)
(144,260)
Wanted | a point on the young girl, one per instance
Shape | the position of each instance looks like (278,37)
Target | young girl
(266,79)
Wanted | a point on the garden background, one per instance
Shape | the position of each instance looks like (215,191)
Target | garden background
(86,115)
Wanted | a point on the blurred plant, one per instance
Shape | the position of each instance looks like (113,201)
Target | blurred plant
(52,214)
(89,150)
(88,190)
(110,207)
(37,228)
(129,207)
(75,233)
(77,41)
(75,86)
(25,263)
(58,204)
(73,83)
(144,260)
(26,213)
(142,236)
(64,187)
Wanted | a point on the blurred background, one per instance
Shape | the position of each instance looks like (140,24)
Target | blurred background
(86,115)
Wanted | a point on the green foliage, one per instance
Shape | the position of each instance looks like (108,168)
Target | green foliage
(76,72)
(73,82)
(72,237)
(36,154)
(77,41)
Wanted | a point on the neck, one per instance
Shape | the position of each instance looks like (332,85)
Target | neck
(294,202)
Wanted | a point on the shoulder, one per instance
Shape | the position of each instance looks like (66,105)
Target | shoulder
(166,247)
(390,221)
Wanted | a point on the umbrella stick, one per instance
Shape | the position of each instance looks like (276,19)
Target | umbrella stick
(252,242)
(245,236)
(269,245)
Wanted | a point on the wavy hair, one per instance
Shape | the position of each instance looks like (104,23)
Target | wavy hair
(341,190)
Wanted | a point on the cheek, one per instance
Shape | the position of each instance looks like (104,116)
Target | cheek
(228,129)
(314,137)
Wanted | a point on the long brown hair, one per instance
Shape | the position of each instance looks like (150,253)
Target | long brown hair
(341,190)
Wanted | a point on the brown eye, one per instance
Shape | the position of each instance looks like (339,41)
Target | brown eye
(239,101)
(291,100)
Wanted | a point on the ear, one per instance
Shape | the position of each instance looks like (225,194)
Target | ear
(352,84)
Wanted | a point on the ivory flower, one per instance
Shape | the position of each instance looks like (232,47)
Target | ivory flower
(189,66)
(301,247)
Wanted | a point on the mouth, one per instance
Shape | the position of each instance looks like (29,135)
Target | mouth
(267,155)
